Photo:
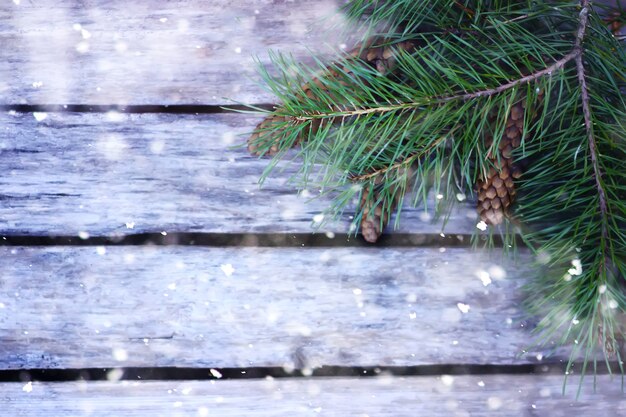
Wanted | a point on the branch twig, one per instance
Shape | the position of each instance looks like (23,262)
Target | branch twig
(580,69)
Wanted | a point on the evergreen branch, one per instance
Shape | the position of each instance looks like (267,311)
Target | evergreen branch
(580,69)
(403,163)
(573,54)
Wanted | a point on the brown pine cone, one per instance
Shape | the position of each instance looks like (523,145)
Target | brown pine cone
(496,188)
(372,220)
(376,207)
(382,58)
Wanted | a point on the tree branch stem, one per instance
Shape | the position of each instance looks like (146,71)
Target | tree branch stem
(580,70)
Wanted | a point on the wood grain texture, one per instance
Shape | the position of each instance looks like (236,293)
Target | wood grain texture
(459,396)
(150,51)
(69,307)
(106,174)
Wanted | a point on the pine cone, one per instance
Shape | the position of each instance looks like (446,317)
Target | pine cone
(376,207)
(496,189)
(372,220)
(382,58)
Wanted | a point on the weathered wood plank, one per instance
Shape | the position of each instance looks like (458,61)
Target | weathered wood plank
(120,174)
(458,396)
(69,307)
(150,52)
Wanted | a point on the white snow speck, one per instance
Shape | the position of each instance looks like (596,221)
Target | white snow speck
(494,403)
(465,308)
(539,356)
(203,411)
(164,233)
(37,84)
(575,321)
(447,380)
(83,235)
(481,225)
(460,196)
(215,373)
(115,374)
(130,225)
(439,196)
(228,138)
(357,291)
(602,289)
(424,216)
(77,27)
(442,250)
(330,235)
(497,272)
(480,383)
(455,342)
(121,47)
(412,315)
(178,404)
(256,12)
(227,269)
(101,250)
(85,34)
(442,234)
(28,387)
(120,355)
(318,409)
(318,218)
(612,304)
(2,305)
(163,19)
(172,286)
(484,277)
(82,47)
(39,116)
(186,391)
(114,116)
(577,267)
(237,50)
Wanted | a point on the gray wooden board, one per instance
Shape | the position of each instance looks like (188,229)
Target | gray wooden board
(122,174)
(150,51)
(83,307)
(450,396)
(154,52)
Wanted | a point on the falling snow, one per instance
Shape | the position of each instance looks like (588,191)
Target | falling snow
(227,269)
(28,387)
(39,116)
(463,307)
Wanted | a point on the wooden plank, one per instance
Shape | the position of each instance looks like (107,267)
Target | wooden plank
(84,307)
(105,174)
(150,52)
(153,52)
(458,396)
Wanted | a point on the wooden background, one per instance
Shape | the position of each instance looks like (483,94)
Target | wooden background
(112,135)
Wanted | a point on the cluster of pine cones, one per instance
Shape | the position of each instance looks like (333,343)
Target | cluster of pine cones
(495,188)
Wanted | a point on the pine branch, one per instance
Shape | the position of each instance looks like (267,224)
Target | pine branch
(491,91)
(580,70)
